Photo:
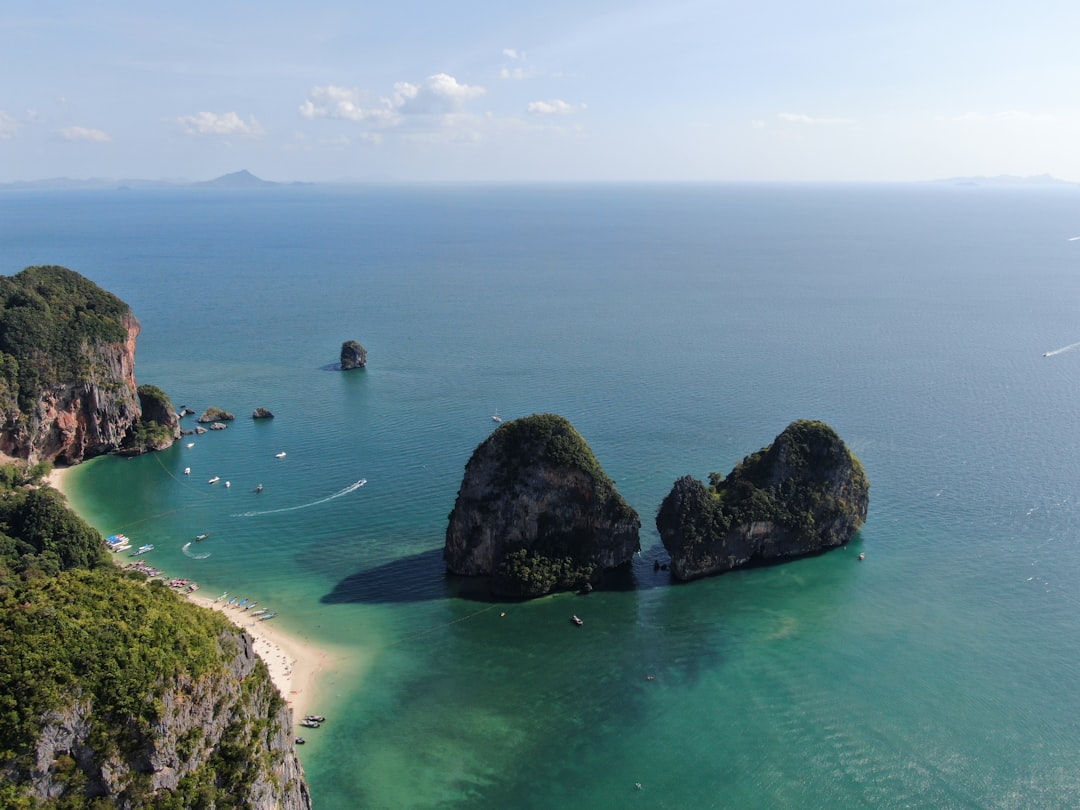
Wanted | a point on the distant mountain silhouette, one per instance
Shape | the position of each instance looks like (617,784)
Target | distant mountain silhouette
(240,179)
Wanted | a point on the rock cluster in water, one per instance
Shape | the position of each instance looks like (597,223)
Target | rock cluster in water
(536,513)
(804,493)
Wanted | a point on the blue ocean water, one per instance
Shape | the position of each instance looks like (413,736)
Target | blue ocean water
(678,328)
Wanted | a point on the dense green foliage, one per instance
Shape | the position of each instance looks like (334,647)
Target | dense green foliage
(77,631)
(51,319)
(527,573)
(151,433)
(101,638)
(806,475)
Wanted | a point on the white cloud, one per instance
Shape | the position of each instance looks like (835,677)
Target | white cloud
(208,123)
(440,94)
(800,118)
(84,134)
(554,107)
(8,126)
(516,72)
(758,124)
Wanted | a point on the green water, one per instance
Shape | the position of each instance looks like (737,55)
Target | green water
(678,329)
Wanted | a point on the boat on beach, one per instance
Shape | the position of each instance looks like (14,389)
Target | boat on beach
(267,616)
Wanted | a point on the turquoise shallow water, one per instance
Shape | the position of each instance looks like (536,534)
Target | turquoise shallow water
(678,328)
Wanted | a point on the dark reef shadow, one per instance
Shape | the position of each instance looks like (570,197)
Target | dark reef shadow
(419,578)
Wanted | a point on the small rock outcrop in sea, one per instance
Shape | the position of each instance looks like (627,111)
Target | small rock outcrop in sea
(536,513)
(158,426)
(353,355)
(262,413)
(804,493)
(215,415)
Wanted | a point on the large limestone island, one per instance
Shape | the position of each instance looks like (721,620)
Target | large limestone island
(67,372)
(804,493)
(114,690)
(537,514)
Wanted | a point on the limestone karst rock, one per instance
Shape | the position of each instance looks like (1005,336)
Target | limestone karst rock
(536,513)
(804,493)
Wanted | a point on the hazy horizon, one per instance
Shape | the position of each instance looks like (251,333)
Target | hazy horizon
(598,91)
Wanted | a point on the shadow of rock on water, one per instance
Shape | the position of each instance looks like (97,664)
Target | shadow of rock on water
(419,578)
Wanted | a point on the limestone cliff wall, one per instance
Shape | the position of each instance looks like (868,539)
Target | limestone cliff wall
(83,418)
(232,729)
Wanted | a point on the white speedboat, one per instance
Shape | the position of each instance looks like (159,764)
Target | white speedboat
(280,455)
(142,549)
(187,470)
(214,480)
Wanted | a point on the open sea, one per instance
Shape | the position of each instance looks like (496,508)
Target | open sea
(678,328)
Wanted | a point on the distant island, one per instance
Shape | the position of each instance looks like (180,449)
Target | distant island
(1006,180)
(242,179)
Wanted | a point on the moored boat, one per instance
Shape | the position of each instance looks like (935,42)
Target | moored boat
(142,550)
(267,616)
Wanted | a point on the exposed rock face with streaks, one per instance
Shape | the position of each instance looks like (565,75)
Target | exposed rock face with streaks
(804,493)
(536,513)
(201,724)
(67,368)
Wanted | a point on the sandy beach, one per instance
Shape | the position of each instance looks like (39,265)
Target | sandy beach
(294,664)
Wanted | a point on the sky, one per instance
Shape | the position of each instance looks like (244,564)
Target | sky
(556,90)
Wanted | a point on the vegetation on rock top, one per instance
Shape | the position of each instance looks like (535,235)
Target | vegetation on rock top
(51,320)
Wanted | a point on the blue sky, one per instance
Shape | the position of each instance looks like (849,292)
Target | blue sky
(702,90)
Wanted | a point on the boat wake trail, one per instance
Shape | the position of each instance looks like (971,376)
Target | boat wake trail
(346,491)
(201,556)
(1062,349)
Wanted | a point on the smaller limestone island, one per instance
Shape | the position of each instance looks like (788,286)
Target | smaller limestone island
(804,493)
(536,513)
(262,413)
(215,414)
(353,355)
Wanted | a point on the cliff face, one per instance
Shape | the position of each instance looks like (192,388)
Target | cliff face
(80,418)
(804,493)
(536,513)
(229,733)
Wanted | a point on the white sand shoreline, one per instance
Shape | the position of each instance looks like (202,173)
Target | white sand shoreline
(294,665)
